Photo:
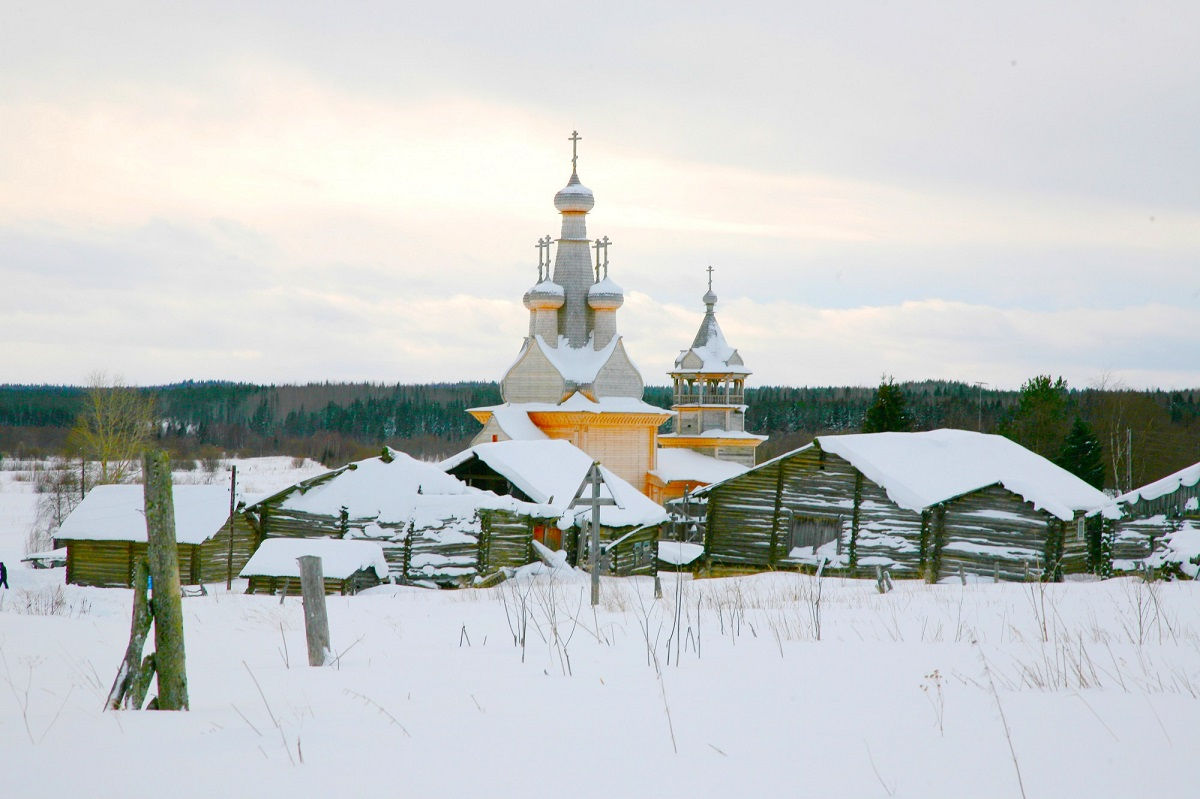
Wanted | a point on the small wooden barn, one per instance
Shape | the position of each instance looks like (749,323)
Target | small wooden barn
(1150,517)
(550,472)
(433,528)
(927,504)
(106,534)
(347,566)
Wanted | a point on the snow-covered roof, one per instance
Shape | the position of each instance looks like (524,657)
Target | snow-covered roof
(606,287)
(918,470)
(551,471)
(396,490)
(578,403)
(1184,477)
(684,464)
(717,433)
(117,513)
(516,424)
(580,365)
(340,559)
(710,352)
(921,469)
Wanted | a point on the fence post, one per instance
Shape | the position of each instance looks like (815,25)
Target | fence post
(316,620)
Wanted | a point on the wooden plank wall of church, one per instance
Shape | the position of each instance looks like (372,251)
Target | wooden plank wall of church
(993,531)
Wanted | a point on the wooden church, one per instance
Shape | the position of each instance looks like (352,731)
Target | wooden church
(573,379)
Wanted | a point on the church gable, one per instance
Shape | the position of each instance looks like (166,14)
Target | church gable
(618,377)
(691,360)
(533,378)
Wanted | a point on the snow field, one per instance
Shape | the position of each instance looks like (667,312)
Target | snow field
(433,692)
(776,684)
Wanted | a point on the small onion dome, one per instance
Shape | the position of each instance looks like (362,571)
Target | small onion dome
(605,295)
(574,197)
(710,297)
(545,296)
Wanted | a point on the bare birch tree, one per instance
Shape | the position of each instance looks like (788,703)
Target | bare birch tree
(113,427)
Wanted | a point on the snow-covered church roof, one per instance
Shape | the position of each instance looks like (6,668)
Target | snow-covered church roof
(710,353)
(677,463)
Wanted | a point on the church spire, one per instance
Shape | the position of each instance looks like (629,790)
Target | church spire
(572,261)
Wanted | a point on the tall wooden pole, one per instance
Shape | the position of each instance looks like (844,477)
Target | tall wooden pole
(166,597)
(595,560)
(232,508)
(316,620)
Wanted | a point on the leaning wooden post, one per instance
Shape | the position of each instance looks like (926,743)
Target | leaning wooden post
(595,559)
(166,597)
(316,620)
(127,676)
(232,510)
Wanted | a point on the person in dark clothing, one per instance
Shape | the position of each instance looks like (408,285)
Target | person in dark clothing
(3,575)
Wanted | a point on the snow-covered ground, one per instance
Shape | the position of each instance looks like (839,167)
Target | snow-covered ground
(1083,689)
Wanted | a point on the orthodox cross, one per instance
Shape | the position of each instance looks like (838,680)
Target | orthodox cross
(604,242)
(599,244)
(544,244)
(710,270)
(594,479)
(574,139)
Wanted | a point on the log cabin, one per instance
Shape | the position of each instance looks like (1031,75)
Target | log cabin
(106,534)
(347,566)
(930,504)
(551,472)
(434,529)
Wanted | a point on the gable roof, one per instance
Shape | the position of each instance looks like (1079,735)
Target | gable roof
(340,559)
(678,463)
(1186,477)
(918,470)
(117,513)
(395,488)
(552,470)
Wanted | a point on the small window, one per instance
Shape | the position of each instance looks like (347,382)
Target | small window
(1080,529)
(813,531)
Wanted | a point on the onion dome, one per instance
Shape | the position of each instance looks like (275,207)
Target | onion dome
(545,296)
(605,295)
(574,197)
(710,298)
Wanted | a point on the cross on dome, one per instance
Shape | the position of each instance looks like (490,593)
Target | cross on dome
(574,139)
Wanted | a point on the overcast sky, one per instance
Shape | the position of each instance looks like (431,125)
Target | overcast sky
(296,191)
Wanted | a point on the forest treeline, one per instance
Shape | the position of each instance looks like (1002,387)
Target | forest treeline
(1144,434)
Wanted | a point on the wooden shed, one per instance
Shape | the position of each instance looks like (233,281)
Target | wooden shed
(347,566)
(550,472)
(1150,516)
(106,534)
(433,528)
(921,504)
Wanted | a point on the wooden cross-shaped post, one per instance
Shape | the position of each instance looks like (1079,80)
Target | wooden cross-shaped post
(595,479)
(710,271)
(574,139)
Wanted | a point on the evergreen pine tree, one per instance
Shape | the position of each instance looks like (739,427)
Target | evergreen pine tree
(888,413)
(1081,454)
